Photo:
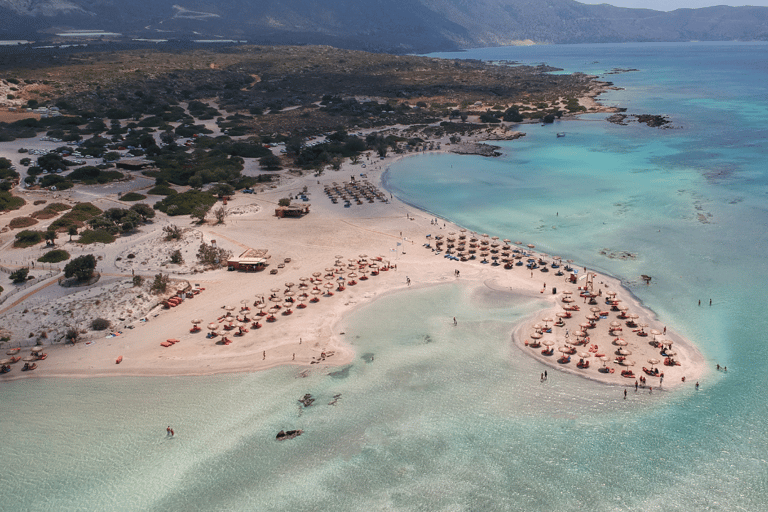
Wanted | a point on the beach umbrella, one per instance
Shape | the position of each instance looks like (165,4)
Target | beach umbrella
(584,355)
(537,327)
(567,299)
(611,294)
(594,309)
(671,353)
(593,317)
(303,279)
(627,362)
(615,323)
(547,319)
(653,362)
(585,324)
(623,308)
(620,342)
(655,332)
(29,358)
(604,359)
(363,256)
(197,321)
(289,285)
(213,326)
(328,285)
(272,311)
(548,343)
(317,274)
(567,292)
(5,361)
(290,294)
(338,257)
(36,350)
(624,352)
(275,299)
(536,335)
(561,314)
(229,308)
(634,316)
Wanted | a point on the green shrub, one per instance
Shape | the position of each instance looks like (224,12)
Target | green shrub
(185,203)
(28,238)
(79,214)
(132,196)
(10,202)
(162,190)
(93,236)
(19,276)
(54,256)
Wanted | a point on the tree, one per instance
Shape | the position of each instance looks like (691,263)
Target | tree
(19,276)
(160,284)
(176,257)
(199,212)
(271,162)
(212,256)
(220,213)
(144,210)
(50,237)
(72,231)
(81,267)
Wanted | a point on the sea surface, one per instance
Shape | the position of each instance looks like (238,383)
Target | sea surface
(436,417)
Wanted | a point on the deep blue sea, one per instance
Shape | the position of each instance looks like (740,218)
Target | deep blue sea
(454,419)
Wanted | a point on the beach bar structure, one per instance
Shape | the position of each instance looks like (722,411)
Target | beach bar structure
(293,210)
(252,260)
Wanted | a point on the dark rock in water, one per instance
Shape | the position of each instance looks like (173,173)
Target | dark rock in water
(290,434)
(367,357)
(307,400)
(428,338)
(341,374)
(336,398)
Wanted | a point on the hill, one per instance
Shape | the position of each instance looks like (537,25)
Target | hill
(382,25)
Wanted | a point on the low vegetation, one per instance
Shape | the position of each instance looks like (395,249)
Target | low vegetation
(185,203)
(132,196)
(54,256)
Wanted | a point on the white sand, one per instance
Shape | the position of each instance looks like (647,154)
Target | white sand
(312,244)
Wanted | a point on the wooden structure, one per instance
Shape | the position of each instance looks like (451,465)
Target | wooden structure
(293,210)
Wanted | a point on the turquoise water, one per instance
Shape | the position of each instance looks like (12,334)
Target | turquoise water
(451,418)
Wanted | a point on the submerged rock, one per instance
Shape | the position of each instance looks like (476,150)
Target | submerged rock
(290,434)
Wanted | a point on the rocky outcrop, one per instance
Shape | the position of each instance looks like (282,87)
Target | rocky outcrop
(475,148)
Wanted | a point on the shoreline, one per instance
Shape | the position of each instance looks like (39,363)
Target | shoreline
(311,242)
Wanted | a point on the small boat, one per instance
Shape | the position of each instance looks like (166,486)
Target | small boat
(560,134)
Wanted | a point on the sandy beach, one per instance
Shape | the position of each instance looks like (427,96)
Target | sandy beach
(370,232)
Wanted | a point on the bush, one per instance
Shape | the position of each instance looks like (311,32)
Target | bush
(93,236)
(286,201)
(162,190)
(100,324)
(172,232)
(28,238)
(176,257)
(19,276)
(185,203)
(81,267)
(132,196)
(211,256)
(10,202)
(160,284)
(54,256)
(21,222)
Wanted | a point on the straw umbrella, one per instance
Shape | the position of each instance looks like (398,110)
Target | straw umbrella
(620,342)
(653,362)
(536,335)
(36,350)
(624,352)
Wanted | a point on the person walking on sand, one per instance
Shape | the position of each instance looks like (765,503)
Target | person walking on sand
(408,280)
(545,375)
(454,321)
(635,385)
(625,393)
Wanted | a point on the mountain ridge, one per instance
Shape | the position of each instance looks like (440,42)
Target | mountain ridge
(384,25)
